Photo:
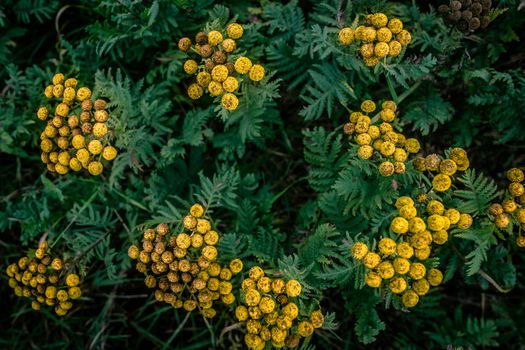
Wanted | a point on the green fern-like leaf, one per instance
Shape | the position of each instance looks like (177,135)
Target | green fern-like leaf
(479,193)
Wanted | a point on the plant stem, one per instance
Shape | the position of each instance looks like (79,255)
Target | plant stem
(86,204)
(391,89)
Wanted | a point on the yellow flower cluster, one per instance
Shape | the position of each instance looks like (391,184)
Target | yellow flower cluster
(401,264)
(76,135)
(183,267)
(43,279)
(271,312)
(219,70)
(512,208)
(445,168)
(379,36)
(377,135)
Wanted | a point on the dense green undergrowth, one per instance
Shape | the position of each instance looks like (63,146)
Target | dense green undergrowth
(284,185)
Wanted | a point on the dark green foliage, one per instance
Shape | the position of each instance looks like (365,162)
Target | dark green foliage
(281,180)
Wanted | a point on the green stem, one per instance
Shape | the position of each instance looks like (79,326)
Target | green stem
(391,88)
(177,331)
(208,325)
(131,200)
(409,91)
(86,204)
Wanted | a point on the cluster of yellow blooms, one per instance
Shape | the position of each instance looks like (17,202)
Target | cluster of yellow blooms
(401,263)
(76,135)
(183,267)
(512,206)
(43,279)
(377,134)
(445,168)
(379,37)
(271,312)
(219,70)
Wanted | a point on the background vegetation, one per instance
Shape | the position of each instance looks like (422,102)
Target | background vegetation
(286,191)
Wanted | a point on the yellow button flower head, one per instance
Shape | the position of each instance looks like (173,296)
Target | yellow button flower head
(346,36)
(410,298)
(230,84)
(215,88)
(421,287)
(83,156)
(408,212)
(255,273)
(48,92)
(190,66)
(440,237)
(256,72)
(195,91)
(401,265)
(373,280)
(379,20)
(203,78)
(83,94)
(465,221)
(368,34)
(386,270)
(75,164)
(229,101)
(387,246)
(42,113)
(359,250)
(386,168)
(234,30)
(395,25)
(100,129)
(252,297)
(384,35)
(435,222)
(371,260)
(305,329)
(109,153)
(58,90)
(214,38)
(381,49)
(397,285)
(95,147)
(72,280)
(219,73)
(228,45)
(46,145)
(69,94)
(243,65)
(78,142)
(404,250)
(453,215)
(412,145)
(441,182)
(434,277)
(365,152)
(317,319)
(515,175)
(404,200)
(417,271)
(95,168)
(71,83)
(58,79)
(399,225)
(278,286)
(293,288)
(184,44)
(404,37)
(394,48)
(368,106)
